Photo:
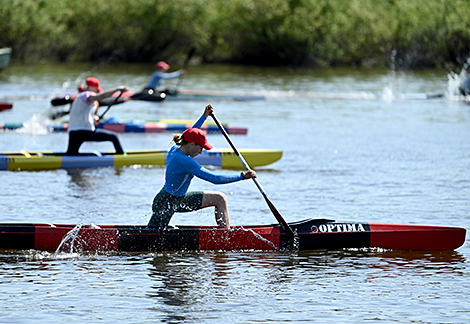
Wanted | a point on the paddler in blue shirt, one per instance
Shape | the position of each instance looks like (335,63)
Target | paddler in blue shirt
(180,170)
(156,82)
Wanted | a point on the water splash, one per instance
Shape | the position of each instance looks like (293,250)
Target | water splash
(68,241)
(387,94)
(454,81)
(292,247)
(257,235)
(295,243)
(388,90)
(36,125)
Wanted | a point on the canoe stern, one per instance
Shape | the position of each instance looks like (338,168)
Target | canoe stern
(416,237)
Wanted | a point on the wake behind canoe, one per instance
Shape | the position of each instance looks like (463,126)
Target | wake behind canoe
(222,158)
(313,234)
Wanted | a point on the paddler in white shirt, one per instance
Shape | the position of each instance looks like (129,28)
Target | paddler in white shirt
(83,118)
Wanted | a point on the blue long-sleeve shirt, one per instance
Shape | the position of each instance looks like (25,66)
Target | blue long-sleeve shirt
(181,169)
(157,77)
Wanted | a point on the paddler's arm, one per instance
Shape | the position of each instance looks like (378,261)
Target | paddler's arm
(172,75)
(207,112)
(192,167)
(106,94)
(96,97)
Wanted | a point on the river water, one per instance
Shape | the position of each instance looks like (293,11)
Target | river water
(358,145)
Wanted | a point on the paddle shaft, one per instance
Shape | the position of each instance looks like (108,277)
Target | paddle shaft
(271,206)
(185,66)
(109,107)
(60,114)
(68,100)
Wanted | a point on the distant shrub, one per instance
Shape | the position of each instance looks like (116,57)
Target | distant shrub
(421,33)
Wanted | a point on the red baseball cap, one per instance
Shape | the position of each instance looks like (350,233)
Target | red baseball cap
(198,136)
(162,65)
(94,82)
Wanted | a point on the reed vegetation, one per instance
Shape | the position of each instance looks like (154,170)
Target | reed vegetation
(418,33)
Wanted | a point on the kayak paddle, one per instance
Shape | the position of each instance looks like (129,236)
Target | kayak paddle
(59,114)
(61,101)
(185,66)
(271,206)
(110,105)
(104,102)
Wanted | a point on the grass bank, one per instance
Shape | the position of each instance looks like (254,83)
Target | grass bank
(417,33)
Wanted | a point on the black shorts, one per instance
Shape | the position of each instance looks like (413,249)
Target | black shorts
(165,205)
(76,139)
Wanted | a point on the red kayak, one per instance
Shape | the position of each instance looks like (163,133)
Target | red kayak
(5,105)
(312,234)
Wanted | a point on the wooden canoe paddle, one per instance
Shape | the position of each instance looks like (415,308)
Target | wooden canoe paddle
(271,206)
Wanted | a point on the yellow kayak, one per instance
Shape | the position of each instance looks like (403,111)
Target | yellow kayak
(222,158)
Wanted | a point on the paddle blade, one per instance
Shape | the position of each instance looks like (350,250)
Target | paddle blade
(190,55)
(185,65)
(111,101)
(61,101)
(58,115)
(279,218)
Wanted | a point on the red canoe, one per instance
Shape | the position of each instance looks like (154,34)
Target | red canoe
(312,234)
(5,105)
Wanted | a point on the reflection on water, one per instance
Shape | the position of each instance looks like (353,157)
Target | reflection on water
(185,281)
(78,177)
(234,286)
(87,178)
(390,260)
(450,260)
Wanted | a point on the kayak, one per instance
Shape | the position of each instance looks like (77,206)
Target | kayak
(5,53)
(312,234)
(5,105)
(139,126)
(182,95)
(222,158)
(193,95)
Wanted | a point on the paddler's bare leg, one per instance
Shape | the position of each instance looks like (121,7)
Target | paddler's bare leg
(219,201)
